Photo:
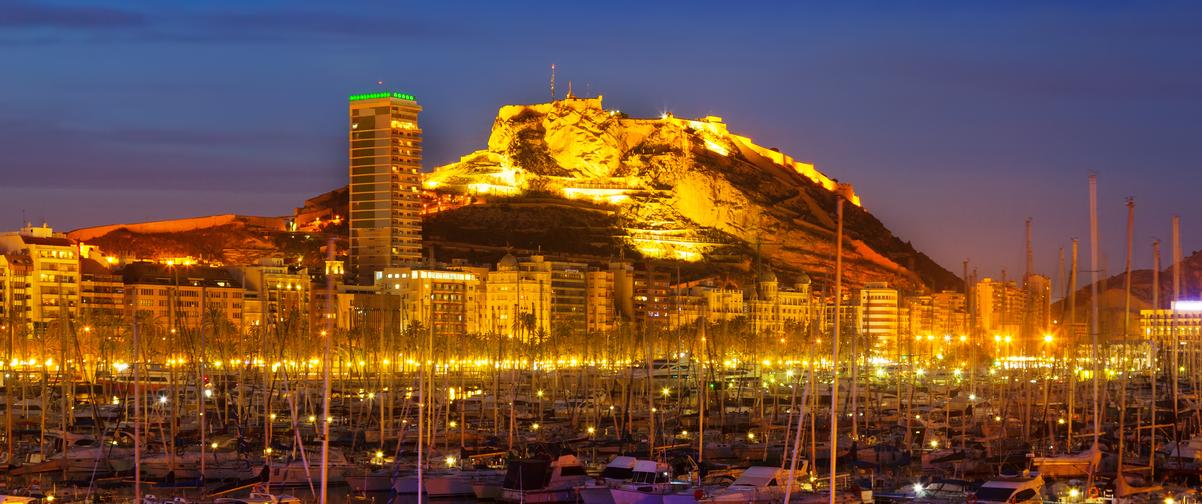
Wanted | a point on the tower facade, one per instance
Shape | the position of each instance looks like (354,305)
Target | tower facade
(385,145)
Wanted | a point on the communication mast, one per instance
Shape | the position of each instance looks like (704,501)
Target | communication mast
(552,81)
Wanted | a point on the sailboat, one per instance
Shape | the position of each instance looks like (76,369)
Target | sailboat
(1084,464)
(1122,487)
(1073,465)
(222,462)
(79,457)
(259,496)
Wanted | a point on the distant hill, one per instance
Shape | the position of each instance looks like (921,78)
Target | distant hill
(1111,294)
(225,239)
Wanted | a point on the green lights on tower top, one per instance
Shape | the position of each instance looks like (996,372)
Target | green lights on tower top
(374,96)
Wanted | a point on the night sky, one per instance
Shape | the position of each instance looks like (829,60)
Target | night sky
(954,122)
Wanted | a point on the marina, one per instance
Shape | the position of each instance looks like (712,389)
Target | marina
(312,252)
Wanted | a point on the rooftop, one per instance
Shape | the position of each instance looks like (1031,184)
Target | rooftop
(53,241)
(159,274)
(382,94)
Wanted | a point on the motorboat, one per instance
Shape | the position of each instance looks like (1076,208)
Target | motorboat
(540,481)
(617,471)
(652,483)
(441,483)
(1011,491)
(937,491)
(758,484)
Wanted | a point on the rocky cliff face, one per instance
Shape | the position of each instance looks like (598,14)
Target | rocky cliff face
(683,189)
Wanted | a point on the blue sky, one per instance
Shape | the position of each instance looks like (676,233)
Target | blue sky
(954,120)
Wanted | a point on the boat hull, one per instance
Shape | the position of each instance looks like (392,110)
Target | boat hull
(595,495)
(435,486)
(538,496)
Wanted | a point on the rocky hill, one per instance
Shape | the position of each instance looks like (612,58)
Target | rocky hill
(663,188)
(572,178)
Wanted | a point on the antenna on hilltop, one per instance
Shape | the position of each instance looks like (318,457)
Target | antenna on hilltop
(552,81)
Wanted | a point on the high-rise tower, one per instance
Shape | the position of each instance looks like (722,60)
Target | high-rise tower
(385,184)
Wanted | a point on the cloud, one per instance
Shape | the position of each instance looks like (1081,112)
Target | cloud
(25,14)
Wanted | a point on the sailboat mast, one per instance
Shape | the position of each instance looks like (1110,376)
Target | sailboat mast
(972,367)
(421,405)
(1027,332)
(701,398)
(137,407)
(326,335)
(1093,308)
(1154,354)
(835,343)
(200,371)
(797,438)
(1072,345)
(1126,337)
(1173,328)
(8,389)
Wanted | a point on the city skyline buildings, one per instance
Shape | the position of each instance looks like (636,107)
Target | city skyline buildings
(918,123)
